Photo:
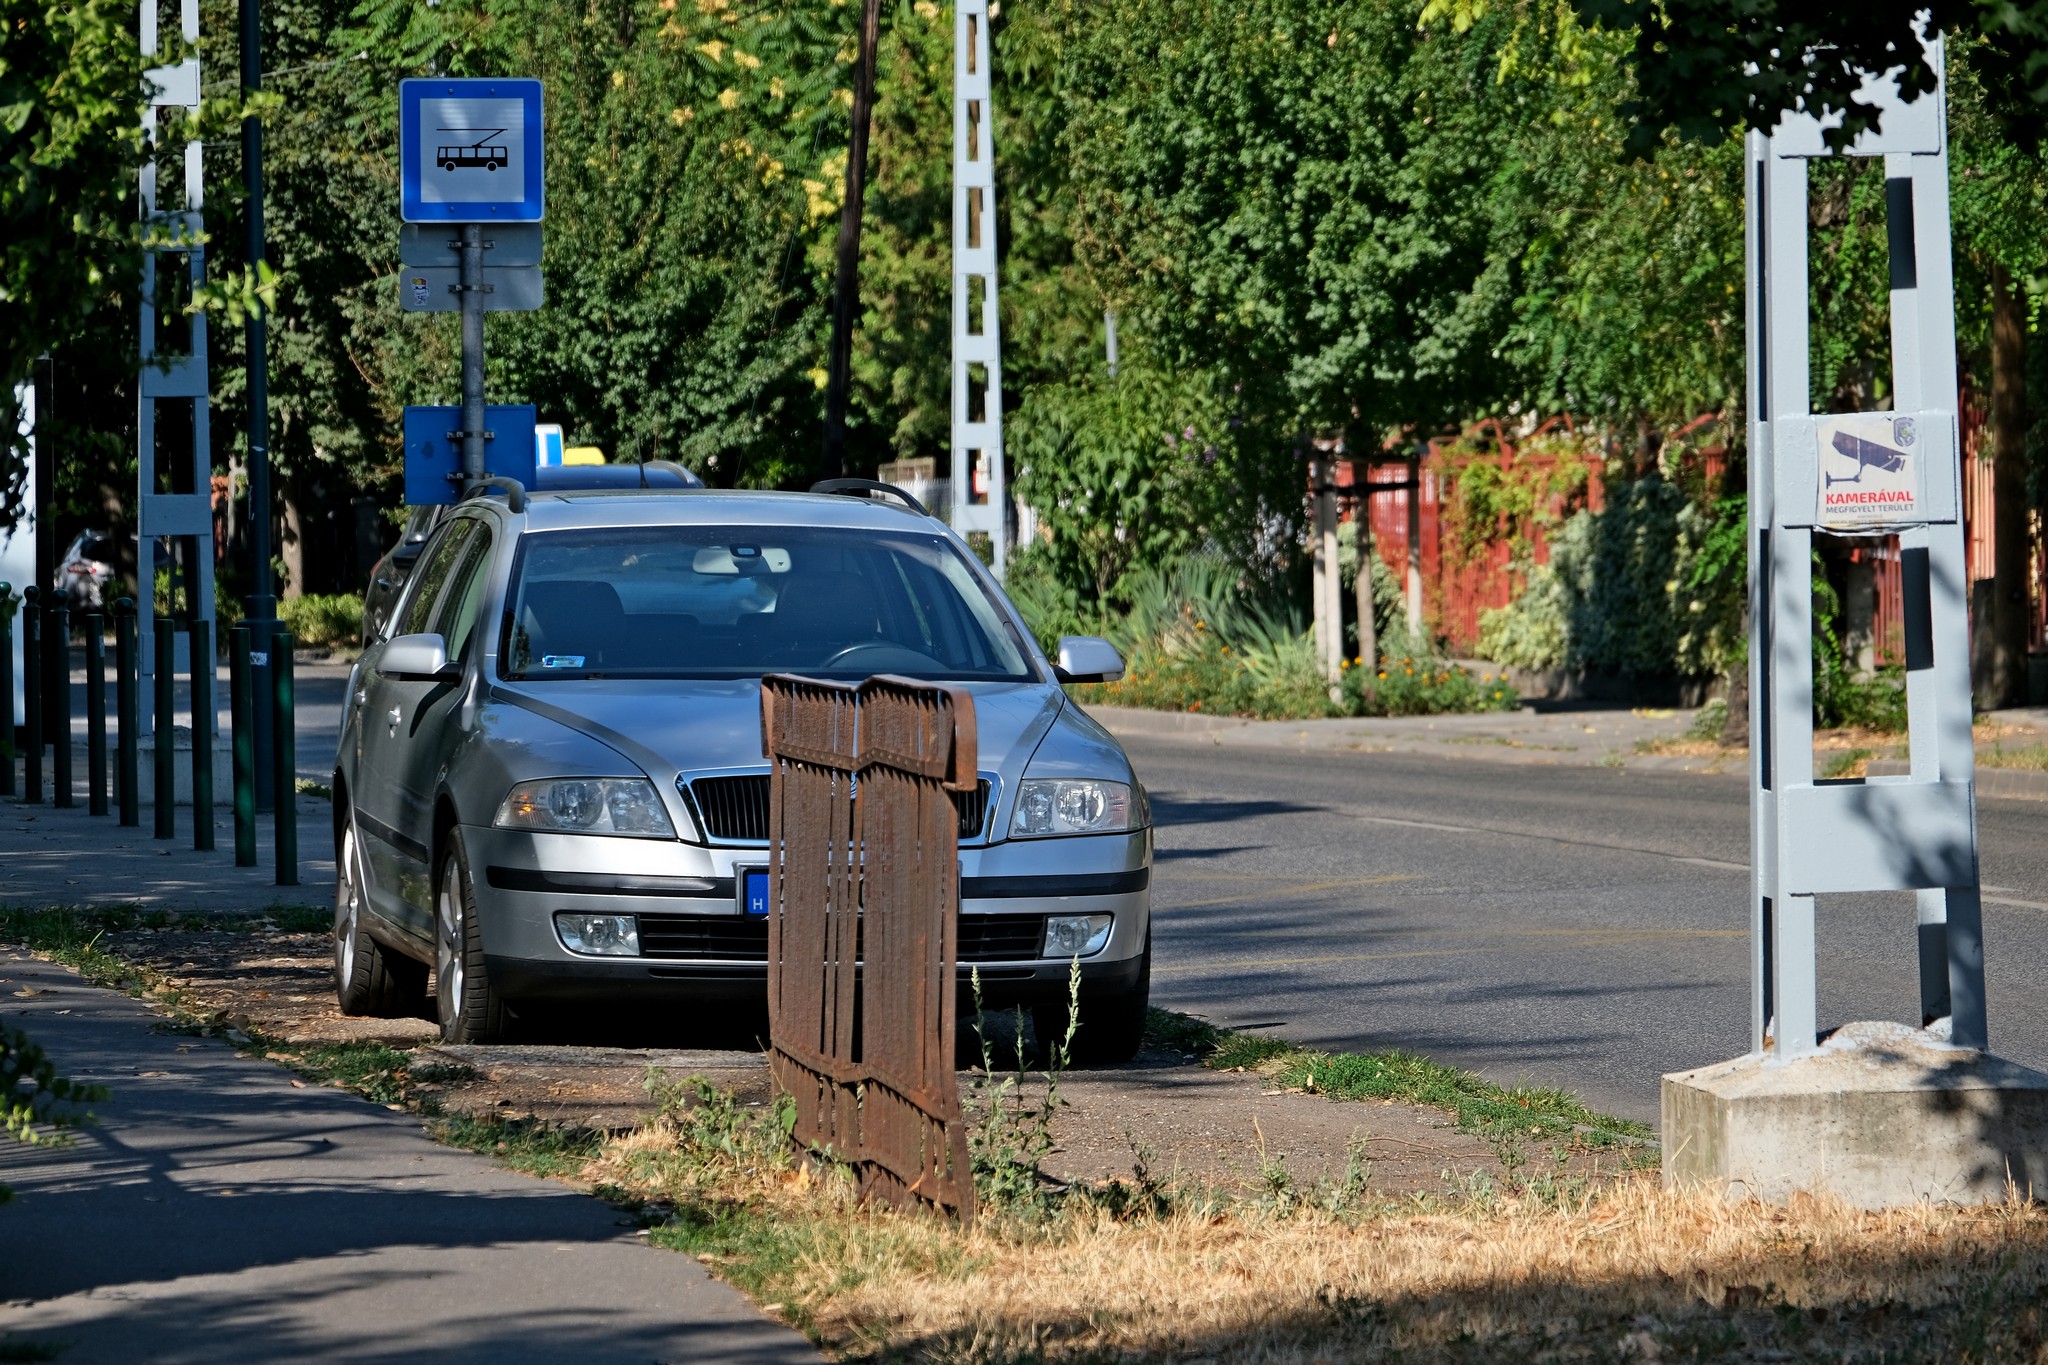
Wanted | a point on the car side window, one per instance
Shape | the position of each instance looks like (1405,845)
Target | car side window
(435,566)
(456,621)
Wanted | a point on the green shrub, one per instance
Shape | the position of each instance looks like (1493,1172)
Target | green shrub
(323,621)
(1413,683)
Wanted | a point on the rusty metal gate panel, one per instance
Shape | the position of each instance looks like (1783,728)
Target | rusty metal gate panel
(863,925)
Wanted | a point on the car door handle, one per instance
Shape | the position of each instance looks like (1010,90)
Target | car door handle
(394,716)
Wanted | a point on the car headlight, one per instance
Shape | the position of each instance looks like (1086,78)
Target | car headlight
(587,805)
(1075,935)
(1047,807)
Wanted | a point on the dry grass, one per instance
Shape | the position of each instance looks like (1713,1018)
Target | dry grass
(1611,1270)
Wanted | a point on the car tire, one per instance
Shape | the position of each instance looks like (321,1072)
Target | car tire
(470,1009)
(1112,1026)
(369,978)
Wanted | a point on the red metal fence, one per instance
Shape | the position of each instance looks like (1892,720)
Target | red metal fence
(863,926)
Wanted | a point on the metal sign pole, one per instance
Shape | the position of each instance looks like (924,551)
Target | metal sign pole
(262,599)
(472,288)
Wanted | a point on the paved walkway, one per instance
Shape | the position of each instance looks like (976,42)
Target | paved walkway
(217,1213)
(1607,737)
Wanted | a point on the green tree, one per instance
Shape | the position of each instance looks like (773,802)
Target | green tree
(70,140)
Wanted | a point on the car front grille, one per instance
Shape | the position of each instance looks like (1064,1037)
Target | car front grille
(734,938)
(736,807)
(716,938)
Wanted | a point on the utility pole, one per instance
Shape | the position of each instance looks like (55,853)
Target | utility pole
(846,277)
(262,599)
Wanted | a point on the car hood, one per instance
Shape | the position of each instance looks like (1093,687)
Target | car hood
(671,727)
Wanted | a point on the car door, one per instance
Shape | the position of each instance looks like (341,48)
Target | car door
(438,715)
(393,837)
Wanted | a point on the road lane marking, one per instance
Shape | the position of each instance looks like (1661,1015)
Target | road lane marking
(1597,938)
(1343,885)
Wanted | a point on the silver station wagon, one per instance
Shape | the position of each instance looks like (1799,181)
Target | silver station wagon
(550,785)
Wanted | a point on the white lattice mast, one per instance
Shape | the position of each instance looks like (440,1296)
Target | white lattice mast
(979,487)
(172,231)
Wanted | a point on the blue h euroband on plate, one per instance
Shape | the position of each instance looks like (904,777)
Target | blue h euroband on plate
(469,151)
(432,454)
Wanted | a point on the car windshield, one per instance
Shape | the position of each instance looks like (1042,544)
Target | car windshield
(738,602)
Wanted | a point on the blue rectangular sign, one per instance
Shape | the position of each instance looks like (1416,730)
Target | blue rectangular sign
(433,456)
(469,151)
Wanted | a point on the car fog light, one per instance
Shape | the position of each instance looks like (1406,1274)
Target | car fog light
(1076,935)
(603,935)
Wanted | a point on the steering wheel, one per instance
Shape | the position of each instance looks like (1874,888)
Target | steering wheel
(879,647)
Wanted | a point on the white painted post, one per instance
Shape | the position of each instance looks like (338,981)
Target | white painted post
(1916,832)
(183,377)
(981,498)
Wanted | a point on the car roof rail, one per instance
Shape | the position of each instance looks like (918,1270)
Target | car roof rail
(857,487)
(514,491)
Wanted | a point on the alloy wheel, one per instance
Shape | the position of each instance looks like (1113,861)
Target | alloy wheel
(449,943)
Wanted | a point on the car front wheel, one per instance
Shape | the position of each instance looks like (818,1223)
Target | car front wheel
(470,1010)
(368,977)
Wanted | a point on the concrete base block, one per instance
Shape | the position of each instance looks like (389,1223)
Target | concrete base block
(181,759)
(1881,1115)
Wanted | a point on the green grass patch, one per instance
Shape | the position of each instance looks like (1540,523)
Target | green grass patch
(1477,1105)
(2031,758)
(524,1144)
(1838,762)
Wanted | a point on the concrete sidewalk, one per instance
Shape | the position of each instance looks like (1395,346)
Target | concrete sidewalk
(220,1213)
(1606,738)
(50,856)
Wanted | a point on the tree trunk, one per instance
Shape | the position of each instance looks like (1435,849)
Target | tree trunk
(2007,683)
(291,545)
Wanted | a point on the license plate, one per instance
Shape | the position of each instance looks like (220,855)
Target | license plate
(754,890)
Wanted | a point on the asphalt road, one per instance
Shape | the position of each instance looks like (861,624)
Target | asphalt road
(1578,926)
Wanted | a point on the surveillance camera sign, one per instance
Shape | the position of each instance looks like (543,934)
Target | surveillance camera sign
(470,151)
(1869,471)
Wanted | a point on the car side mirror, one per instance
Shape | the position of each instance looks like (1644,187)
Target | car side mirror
(406,553)
(417,658)
(1088,659)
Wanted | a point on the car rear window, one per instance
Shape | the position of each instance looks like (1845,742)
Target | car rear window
(738,602)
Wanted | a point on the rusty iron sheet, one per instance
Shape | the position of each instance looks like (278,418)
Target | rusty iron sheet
(863,926)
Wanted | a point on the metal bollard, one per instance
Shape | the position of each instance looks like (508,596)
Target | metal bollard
(166,727)
(32,696)
(202,735)
(127,682)
(95,713)
(6,689)
(244,740)
(57,705)
(285,752)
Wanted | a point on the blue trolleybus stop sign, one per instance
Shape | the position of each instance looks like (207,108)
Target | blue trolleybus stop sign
(469,151)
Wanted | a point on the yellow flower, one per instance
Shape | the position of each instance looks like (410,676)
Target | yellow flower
(681,116)
(776,89)
(714,49)
(1383,673)
(746,59)
(818,376)
(618,79)
(728,98)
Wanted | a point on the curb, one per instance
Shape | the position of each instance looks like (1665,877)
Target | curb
(2015,784)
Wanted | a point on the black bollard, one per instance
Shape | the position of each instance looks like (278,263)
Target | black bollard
(244,741)
(6,689)
(32,697)
(57,702)
(202,735)
(166,743)
(127,683)
(95,713)
(285,751)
